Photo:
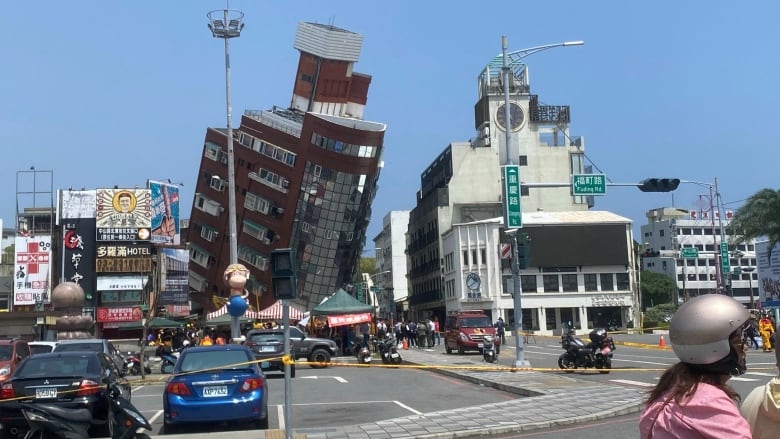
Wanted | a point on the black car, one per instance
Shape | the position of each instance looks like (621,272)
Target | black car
(268,347)
(68,379)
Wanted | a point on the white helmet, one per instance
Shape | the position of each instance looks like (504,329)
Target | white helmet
(700,332)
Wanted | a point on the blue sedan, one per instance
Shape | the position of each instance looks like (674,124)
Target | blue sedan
(214,384)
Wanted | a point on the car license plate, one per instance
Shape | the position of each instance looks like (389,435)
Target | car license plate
(214,391)
(267,349)
(46,392)
(394,355)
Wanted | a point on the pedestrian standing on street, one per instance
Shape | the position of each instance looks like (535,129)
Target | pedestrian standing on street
(431,333)
(751,332)
(412,329)
(364,333)
(500,328)
(761,408)
(436,329)
(766,328)
(692,398)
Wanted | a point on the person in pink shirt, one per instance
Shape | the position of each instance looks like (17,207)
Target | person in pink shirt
(692,399)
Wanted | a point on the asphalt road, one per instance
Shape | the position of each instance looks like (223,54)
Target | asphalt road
(345,395)
(639,367)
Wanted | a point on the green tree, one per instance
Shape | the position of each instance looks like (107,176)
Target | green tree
(759,216)
(367,265)
(657,289)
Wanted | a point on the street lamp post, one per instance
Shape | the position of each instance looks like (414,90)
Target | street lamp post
(227,24)
(520,360)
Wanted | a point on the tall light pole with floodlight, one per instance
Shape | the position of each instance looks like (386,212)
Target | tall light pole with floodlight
(227,24)
(512,170)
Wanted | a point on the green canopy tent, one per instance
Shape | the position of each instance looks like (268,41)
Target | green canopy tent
(156,323)
(341,303)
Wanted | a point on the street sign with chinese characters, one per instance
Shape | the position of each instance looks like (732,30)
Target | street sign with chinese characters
(588,184)
(689,253)
(725,264)
(513,217)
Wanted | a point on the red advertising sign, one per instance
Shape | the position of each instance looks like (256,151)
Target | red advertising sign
(348,319)
(120,314)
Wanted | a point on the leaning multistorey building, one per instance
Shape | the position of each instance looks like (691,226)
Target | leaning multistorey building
(305,177)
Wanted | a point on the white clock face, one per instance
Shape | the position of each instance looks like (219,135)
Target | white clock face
(516,116)
(472,281)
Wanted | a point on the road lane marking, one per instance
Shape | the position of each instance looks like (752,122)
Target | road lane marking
(280,415)
(154,417)
(633,383)
(315,377)
(404,406)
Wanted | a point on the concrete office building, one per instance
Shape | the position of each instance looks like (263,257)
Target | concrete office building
(670,230)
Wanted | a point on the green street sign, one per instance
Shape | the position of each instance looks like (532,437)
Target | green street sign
(588,184)
(375,289)
(513,217)
(689,252)
(725,264)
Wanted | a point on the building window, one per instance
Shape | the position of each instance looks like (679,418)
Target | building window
(607,282)
(528,283)
(5,301)
(622,281)
(465,257)
(550,283)
(591,282)
(569,282)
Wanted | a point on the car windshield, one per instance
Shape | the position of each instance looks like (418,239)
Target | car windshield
(54,367)
(40,348)
(72,347)
(475,322)
(6,352)
(208,360)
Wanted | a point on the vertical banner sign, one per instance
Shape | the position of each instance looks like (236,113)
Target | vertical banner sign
(32,273)
(175,276)
(123,214)
(78,251)
(77,213)
(165,213)
(513,217)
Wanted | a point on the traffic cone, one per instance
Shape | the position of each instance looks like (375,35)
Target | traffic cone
(662,342)
(406,344)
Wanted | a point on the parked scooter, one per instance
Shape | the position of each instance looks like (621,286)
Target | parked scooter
(362,353)
(126,418)
(52,421)
(388,351)
(168,357)
(490,348)
(597,353)
(48,421)
(133,364)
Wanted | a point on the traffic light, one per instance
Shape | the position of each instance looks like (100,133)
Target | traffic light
(523,251)
(659,184)
(283,274)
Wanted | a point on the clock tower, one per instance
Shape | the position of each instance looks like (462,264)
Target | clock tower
(539,136)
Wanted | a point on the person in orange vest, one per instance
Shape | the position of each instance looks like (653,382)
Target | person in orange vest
(220,339)
(766,329)
(206,340)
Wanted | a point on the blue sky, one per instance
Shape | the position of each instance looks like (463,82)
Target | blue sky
(114,93)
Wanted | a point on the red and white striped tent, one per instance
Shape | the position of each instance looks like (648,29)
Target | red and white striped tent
(274,312)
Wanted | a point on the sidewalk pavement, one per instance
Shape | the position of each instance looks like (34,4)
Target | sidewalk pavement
(544,400)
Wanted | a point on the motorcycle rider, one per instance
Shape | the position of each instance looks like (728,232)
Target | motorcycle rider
(692,398)
(766,329)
